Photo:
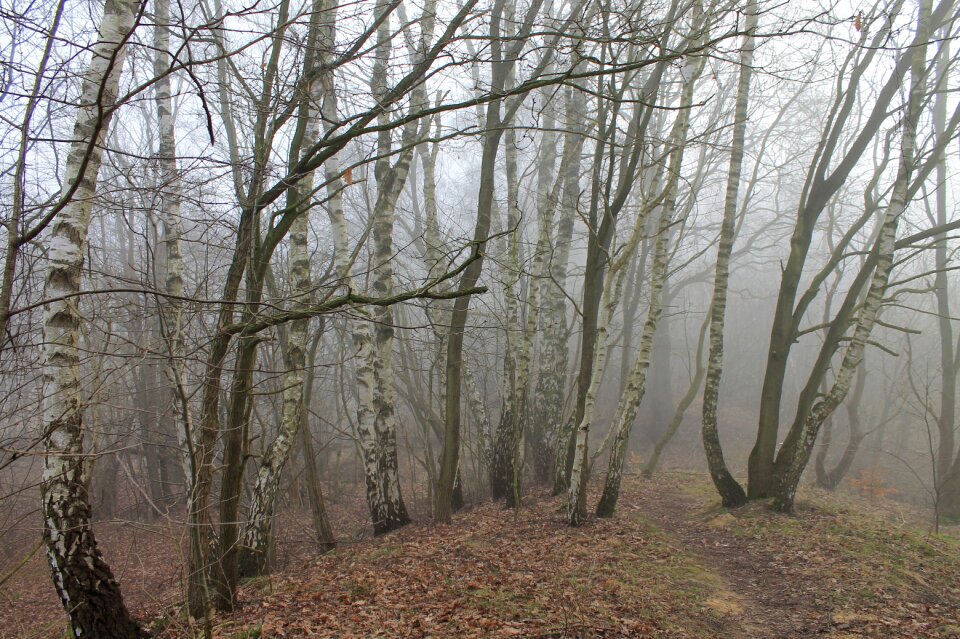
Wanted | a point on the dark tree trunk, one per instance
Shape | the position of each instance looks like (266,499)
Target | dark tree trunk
(88,590)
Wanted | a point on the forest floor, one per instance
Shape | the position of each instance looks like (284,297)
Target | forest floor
(671,564)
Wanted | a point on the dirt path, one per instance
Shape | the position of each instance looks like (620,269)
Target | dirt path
(768,598)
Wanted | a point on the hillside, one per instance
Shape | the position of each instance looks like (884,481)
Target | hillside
(669,565)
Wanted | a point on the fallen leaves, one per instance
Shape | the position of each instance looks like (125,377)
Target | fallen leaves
(668,565)
(492,574)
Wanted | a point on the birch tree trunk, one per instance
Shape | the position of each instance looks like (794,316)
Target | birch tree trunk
(502,463)
(948,462)
(390,512)
(828,171)
(685,402)
(576,494)
(636,383)
(374,348)
(831,478)
(235,432)
(260,519)
(203,443)
(171,305)
(502,66)
(602,225)
(731,493)
(547,196)
(611,290)
(257,535)
(84,582)
(361,334)
(549,393)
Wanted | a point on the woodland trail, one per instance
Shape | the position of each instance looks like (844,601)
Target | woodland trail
(767,597)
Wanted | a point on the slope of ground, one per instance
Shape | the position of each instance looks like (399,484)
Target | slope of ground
(493,573)
(671,564)
(840,567)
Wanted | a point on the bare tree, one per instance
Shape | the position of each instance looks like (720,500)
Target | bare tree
(86,586)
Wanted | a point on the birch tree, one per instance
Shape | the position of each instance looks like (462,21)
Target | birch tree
(606,204)
(636,383)
(503,62)
(948,458)
(611,284)
(830,167)
(85,584)
(550,390)
(257,534)
(730,491)
(171,304)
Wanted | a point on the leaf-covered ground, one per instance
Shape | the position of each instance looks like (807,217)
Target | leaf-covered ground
(671,564)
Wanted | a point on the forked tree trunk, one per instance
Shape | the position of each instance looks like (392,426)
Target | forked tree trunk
(502,65)
(635,388)
(240,406)
(685,402)
(611,290)
(257,536)
(831,478)
(373,349)
(636,384)
(202,446)
(613,284)
(602,225)
(793,459)
(828,171)
(84,582)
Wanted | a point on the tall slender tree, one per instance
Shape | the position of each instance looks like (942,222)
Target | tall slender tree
(87,588)
(730,491)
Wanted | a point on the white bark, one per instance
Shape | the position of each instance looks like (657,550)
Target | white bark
(613,284)
(730,491)
(84,582)
(612,289)
(171,308)
(547,196)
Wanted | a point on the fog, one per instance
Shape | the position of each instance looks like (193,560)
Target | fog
(366,264)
